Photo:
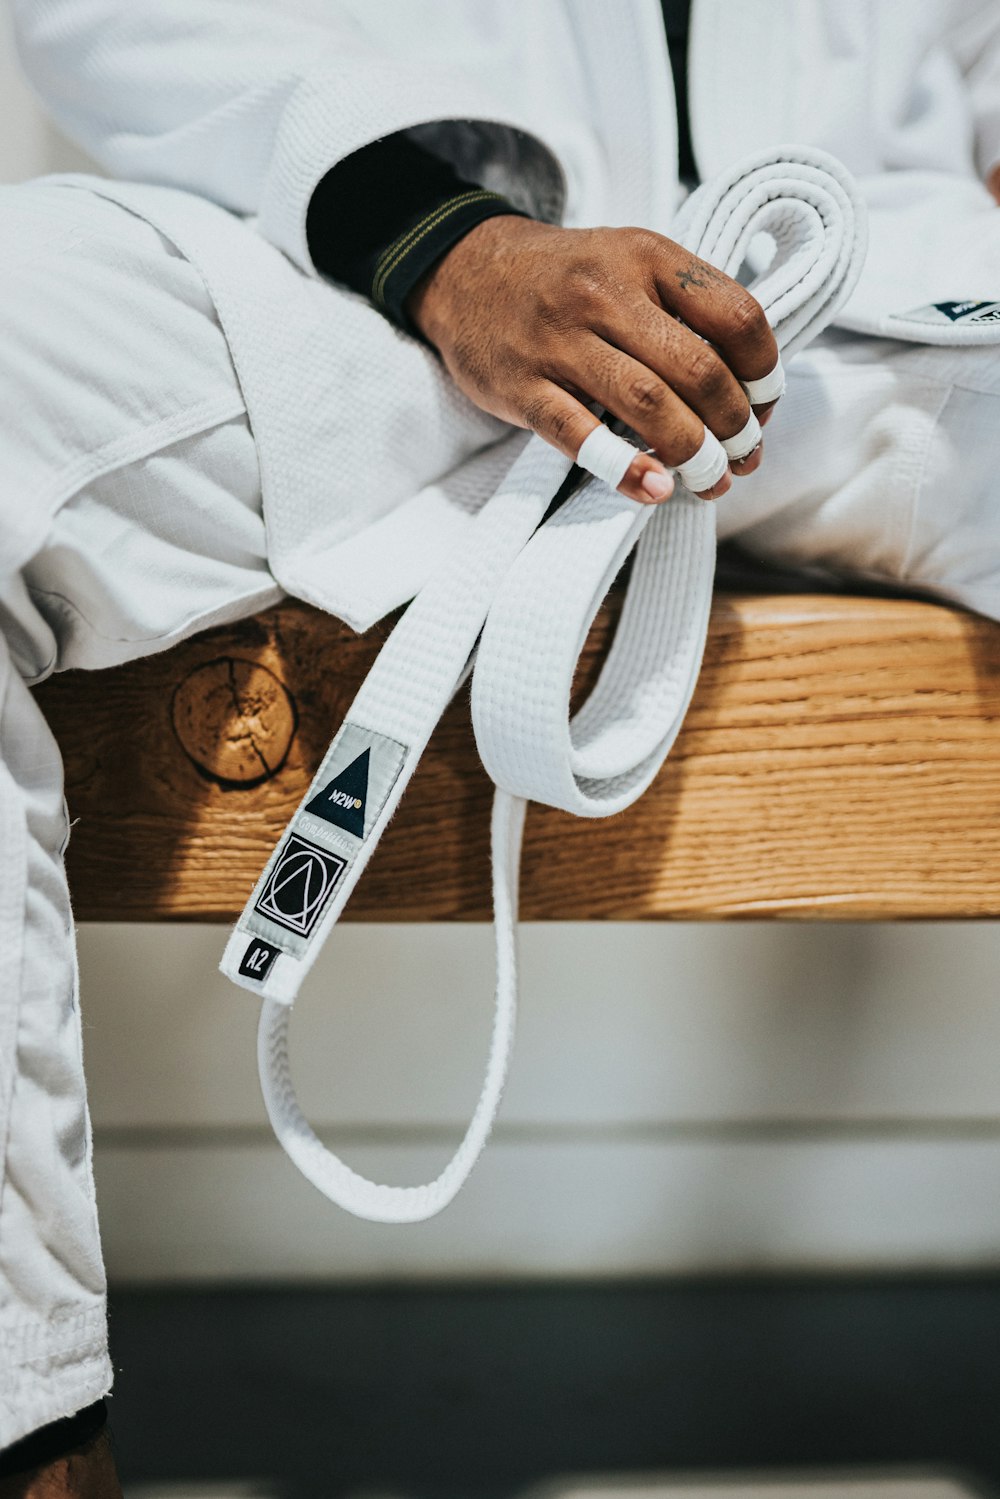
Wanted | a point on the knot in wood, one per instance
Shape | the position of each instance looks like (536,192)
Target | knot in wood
(235,721)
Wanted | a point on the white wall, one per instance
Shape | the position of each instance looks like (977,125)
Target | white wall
(684,1097)
(29,144)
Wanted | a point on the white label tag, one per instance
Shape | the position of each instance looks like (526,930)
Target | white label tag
(324,838)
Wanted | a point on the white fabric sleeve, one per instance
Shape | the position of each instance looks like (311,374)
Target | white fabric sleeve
(251,102)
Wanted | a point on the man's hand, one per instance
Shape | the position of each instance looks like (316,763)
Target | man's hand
(533,322)
(87,1472)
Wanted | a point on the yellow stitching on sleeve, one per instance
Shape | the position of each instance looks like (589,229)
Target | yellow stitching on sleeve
(402,246)
(403,239)
(399,249)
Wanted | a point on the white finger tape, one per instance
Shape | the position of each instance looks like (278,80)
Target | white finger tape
(769,387)
(744,442)
(707,467)
(606,455)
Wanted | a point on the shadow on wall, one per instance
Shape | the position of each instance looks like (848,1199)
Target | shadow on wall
(30,145)
(62,156)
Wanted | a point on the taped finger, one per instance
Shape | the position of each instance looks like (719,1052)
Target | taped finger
(707,467)
(744,442)
(606,455)
(770,387)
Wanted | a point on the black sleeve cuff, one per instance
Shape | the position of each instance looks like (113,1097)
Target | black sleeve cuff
(382,216)
(53,1441)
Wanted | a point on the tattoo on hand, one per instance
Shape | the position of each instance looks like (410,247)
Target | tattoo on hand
(698,274)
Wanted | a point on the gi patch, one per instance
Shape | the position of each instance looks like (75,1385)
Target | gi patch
(299,885)
(967,312)
(258,959)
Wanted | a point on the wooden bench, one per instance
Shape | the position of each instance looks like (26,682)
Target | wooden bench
(841,759)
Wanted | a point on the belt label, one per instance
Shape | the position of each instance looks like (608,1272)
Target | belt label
(258,960)
(306,873)
(352,785)
(300,883)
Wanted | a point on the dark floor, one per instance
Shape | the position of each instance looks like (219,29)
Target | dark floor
(482,1392)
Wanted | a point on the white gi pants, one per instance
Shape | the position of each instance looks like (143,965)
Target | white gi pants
(126,454)
(117,397)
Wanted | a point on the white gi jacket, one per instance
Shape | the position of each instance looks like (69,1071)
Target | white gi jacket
(371,461)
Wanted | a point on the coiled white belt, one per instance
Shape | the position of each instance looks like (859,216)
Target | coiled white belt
(528,593)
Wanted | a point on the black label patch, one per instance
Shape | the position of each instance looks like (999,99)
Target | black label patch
(967,313)
(976,312)
(342,802)
(300,885)
(258,959)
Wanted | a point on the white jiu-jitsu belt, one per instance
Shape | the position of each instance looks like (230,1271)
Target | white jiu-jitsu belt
(528,592)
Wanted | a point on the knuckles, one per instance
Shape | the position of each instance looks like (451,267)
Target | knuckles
(590,281)
(646,397)
(708,373)
(550,308)
(559,427)
(534,413)
(746,318)
(541,357)
(549,420)
(639,244)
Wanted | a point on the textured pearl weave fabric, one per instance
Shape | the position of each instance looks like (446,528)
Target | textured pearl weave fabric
(529,592)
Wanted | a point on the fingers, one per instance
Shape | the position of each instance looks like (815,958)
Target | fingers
(566,423)
(694,371)
(718,308)
(634,323)
(565,319)
(675,432)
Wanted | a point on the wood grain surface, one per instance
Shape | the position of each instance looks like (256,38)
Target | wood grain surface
(841,759)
